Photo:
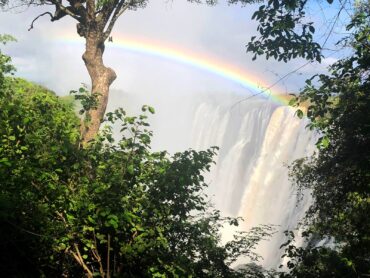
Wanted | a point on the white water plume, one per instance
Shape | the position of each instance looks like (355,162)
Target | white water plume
(257,141)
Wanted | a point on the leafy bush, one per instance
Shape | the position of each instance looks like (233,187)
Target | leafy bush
(108,208)
(338,176)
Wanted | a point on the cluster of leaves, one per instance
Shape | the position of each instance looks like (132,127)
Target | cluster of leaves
(339,175)
(5,61)
(110,208)
(315,261)
(31,164)
(88,101)
(284,33)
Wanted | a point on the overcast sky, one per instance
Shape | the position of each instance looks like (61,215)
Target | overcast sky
(220,32)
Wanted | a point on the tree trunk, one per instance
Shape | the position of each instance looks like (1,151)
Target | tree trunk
(101,79)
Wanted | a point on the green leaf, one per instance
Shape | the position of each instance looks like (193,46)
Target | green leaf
(151,109)
(130,169)
(299,113)
(292,101)
(323,142)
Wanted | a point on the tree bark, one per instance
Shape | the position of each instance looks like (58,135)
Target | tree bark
(101,79)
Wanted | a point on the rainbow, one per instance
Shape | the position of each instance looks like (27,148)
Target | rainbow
(189,58)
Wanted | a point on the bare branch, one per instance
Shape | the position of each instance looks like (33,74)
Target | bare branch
(124,9)
(98,257)
(60,215)
(121,8)
(65,10)
(104,13)
(33,21)
(79,259)
(271,86)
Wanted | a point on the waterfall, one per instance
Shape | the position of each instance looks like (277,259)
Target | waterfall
(257,141)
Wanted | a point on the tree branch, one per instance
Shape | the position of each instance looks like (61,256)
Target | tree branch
(33,21)
(106,12)
(271,86)
(79,259)
(121,8)
(97,256)
(300,67)
(57,4)
(90,6)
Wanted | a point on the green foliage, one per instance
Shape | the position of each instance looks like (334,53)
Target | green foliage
(285,33)
(312,261)
(87,100)
(31,164)
(338,177)
(5,61)
(146,210)
(111,208)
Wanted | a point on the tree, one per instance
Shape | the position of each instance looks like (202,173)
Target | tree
(109,209)
(95,21)
(337,176)
(336,224)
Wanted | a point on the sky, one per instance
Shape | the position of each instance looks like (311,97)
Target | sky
(45,55)
(220,32)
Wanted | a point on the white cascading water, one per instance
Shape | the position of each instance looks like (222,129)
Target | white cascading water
(257,140)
